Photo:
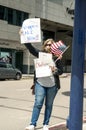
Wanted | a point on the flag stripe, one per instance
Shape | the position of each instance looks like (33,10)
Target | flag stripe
(58,48)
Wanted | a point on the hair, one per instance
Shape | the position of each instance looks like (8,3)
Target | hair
(46,41)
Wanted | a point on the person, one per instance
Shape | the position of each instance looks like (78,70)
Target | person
(46,88)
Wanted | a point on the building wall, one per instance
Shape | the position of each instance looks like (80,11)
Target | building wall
(54,13)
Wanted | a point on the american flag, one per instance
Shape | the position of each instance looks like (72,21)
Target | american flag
(58,48)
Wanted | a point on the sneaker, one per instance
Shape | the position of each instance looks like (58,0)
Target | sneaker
(45,127)
(30,127)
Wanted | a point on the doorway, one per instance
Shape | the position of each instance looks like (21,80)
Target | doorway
(19,60)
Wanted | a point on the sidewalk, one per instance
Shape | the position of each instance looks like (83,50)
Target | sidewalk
(16,104)
(61,110)
(62,125)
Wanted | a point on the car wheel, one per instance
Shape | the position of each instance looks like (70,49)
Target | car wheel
(18,76)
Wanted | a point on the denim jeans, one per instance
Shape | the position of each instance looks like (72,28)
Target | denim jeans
(43,93)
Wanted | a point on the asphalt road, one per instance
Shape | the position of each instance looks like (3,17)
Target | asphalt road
(16,103)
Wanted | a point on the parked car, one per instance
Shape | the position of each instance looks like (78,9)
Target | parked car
(7,71)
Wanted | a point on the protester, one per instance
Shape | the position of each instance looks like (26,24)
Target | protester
(46,88)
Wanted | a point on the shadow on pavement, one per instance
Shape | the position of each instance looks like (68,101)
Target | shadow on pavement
(67,93)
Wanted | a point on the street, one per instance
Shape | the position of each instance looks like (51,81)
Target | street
(16,103)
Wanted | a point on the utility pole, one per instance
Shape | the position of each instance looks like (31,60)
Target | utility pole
(77,71)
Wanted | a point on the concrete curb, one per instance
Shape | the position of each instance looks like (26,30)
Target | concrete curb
(62,126)
(29,76)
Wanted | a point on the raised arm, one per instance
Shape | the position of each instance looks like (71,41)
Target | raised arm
(34,51)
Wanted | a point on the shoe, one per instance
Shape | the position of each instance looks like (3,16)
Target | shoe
(30,127)
(45,127)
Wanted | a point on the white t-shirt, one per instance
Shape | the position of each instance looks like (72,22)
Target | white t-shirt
(46,81)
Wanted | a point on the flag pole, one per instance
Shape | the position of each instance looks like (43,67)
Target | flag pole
(62,53)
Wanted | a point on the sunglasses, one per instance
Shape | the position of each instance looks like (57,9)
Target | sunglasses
(48,45)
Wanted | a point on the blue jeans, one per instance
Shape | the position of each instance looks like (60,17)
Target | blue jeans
(41,93)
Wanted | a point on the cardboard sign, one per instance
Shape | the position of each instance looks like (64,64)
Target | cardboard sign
(31,31)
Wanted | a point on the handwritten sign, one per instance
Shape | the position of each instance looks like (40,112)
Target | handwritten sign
(31,31)
(42,69)
(42,65)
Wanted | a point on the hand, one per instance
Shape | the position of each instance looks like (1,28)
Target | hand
(60,57)
(53,68)
(20,31)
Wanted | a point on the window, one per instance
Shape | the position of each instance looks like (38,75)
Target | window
(18,17)
(2,64)
(12,16)
(2,12)
(5,57)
